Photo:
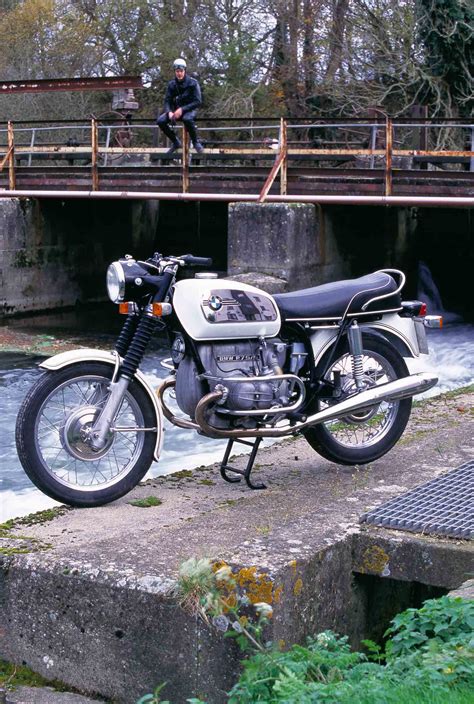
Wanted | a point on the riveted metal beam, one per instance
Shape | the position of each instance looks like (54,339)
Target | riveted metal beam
(57,84)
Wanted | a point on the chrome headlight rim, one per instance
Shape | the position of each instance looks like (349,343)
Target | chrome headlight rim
(116,282)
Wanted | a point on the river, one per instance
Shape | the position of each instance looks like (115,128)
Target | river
(451,357)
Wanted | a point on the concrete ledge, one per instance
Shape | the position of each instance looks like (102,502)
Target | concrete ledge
(465,591)
(46,695)
(88,603)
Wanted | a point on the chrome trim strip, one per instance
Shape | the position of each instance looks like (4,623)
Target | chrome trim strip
(350,315)
(392,293)
(395,331)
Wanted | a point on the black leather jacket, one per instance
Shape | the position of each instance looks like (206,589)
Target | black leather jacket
(185,94)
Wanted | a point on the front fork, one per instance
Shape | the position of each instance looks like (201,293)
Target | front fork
(118,386)
(101,428)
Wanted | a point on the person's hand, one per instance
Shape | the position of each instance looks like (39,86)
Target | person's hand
(170,115)
(177,114)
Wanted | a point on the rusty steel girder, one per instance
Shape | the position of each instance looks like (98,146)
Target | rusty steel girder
(56,84)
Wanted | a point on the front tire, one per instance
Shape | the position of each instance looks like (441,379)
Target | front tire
(363,436)
(52,436)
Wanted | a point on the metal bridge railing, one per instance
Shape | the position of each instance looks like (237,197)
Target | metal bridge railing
(378,145)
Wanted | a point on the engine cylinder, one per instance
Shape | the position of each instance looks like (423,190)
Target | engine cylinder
(225,362)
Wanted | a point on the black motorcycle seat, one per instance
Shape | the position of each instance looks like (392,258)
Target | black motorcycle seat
(336,298)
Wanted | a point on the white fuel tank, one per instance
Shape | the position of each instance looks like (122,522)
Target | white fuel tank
(211,309)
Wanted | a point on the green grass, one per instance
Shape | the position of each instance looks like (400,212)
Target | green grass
(428,659)
(405,694)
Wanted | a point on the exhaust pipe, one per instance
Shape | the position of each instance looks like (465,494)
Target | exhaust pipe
(392,391)
(170,383)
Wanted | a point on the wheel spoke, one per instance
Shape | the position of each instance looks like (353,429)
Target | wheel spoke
(63,429)
(365,427)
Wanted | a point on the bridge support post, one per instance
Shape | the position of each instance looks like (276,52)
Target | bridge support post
(286,241)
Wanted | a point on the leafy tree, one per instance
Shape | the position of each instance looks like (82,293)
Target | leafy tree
(446,35)
(302,58)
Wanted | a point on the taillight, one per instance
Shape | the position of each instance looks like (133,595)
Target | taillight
(414,309)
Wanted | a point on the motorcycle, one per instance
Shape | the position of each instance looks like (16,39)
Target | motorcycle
(327,363)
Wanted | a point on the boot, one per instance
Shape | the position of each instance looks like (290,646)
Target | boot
(174,147)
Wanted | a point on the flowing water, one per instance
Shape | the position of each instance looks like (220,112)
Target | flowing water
(451,358)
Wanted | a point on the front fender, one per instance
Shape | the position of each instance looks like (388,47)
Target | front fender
(66,359)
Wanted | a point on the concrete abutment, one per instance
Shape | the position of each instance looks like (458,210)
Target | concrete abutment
(119,636)
(86,597)
(53,253)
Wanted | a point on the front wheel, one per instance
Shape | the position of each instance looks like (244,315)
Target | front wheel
(366,435)
(53,436)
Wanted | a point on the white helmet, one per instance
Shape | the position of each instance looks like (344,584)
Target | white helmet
(179,63)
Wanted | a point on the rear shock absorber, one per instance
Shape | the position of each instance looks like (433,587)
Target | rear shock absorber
(356,350)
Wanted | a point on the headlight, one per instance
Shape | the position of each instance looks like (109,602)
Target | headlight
(129,280)
(116,282)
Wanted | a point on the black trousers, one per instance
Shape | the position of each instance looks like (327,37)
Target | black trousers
(187,119)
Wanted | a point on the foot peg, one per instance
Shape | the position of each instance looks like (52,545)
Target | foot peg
(245,473)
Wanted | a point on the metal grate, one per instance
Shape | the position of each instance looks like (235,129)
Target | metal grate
(444,506)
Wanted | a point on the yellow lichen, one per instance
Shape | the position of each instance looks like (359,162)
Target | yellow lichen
(298,586)
(218,564)
(292,564)
(258,587)
(229,601)
(281,644)
(374,559)
(277,594)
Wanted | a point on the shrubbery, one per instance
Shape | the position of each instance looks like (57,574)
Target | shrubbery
(428,657)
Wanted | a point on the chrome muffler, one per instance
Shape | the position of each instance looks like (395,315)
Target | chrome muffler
(392,391)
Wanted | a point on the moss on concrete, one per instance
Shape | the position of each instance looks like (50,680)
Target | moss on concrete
(32,519)
(147,502)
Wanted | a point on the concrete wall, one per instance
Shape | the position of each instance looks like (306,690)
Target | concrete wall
(54,253)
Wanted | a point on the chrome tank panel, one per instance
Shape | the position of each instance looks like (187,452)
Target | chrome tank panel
(212,309)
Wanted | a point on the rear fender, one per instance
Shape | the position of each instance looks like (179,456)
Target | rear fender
(66,359)
(400,332)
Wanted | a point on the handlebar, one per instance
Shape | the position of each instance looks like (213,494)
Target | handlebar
(191,260)
(158,260)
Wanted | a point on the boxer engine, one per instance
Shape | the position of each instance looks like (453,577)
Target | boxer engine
(250,373)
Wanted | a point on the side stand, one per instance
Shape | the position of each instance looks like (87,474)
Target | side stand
(245,473)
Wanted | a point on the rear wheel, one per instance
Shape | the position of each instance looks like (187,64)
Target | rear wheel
(366,435)
(53,436)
